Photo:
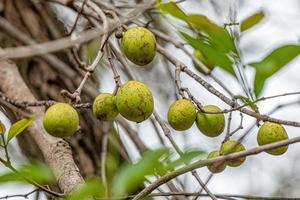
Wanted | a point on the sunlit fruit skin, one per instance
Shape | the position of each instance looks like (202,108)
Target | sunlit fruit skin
(216,167)
(139,45)
(232,146)
(61,120)
(211,125)
(104,107)
(181,114)
(135,101)
(204,60)
(271,132)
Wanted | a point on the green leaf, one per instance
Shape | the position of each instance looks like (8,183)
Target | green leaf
(92,188)
(173,9)
(213,55)
(113,159)
(251,21)
(272,63)
(131,176)
(92,50)
(259,83)
(19,127)
(2,128)
(38,172)
(218,37)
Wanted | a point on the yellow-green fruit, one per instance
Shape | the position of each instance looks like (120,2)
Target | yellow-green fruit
(216,167)
(210,125)
(203,59)
(104,107)
(61,120)
(135,101)
(232,146)
(139,45)
(271,132)
(181,114)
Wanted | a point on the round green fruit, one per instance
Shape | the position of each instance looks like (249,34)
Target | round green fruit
(135,101)
(61,120)
(215,167)
(271,132)
(139,45)
(181,114)
(104,107)
(197,53)
(210,125)
(232,146)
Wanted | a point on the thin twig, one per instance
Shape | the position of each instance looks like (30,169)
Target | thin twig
(167,133)
(202,163)
(25,196)
(77,17)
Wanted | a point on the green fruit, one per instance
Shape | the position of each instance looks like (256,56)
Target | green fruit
(210,125)
(61,120)
(139,45)
(104,107)
(232,146)
(181,114)
(215,167)
(271,132)
(203,59)
(135,101)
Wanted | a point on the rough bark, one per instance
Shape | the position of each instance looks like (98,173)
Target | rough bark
(57,152)
(43,79)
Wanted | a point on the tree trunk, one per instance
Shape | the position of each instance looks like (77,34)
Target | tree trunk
(24,22)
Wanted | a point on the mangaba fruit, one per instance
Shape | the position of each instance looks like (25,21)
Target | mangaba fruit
(181,114)
(210,125)
(271,132)
(104,107)
(218,166)
(197,53)
(139,45)
(232,146)
(135,101)
(61,120)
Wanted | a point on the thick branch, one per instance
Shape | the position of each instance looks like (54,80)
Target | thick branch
(56,152)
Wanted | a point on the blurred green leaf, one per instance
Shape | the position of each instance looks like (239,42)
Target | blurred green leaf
(92,188)
(259,82)
(131,176)
(218,37)
(92,50)
(172,9)
(272,63)
(2,128)
(113,159)
(251,21)
(186,157)
(213,55)
(19,127)
(38,172)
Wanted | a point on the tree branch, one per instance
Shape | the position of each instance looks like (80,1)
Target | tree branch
(201,163)
(57,152)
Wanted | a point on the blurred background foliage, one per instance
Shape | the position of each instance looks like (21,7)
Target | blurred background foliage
(221,40)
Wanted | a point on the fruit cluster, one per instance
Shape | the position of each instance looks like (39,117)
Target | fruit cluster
(134,101)
(211,122)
